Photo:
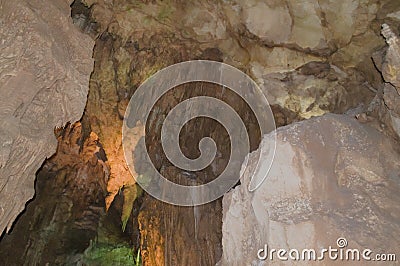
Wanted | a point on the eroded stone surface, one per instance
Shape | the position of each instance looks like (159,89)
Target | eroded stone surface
(304,35)
(387,60)
(313,59)
(316,88)
(332,177)
(45,65)
(69,202)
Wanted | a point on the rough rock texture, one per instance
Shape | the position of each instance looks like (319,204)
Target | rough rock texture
(273,35)
(332,177)
(388,62)
(315,89)
(391,64)
(175,235)
(137,38)
(310,58)
(63,218)
(115,77)
(45,65)
(313,59)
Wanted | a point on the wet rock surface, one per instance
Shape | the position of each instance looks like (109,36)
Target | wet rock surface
(331,177)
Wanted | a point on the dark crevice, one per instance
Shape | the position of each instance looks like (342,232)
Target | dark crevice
(82,17)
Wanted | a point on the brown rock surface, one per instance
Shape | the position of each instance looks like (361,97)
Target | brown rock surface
(45,65)
(316,88)
(316,60)
(386,104)
(176,235)
(137,38)
(64,217)
(312,59)
(332,177)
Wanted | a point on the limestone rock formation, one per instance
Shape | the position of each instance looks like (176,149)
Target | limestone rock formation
(69,202)
(391,64)
(313,59)
(316,88)
(283,55)
(45,63)
(390,107)
(310,57)
(385,105)
(332,177)
(177,235)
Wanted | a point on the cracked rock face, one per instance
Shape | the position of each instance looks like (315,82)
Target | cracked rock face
(45,64)
(391,74)
(332,177)
(386,103)
(68,204)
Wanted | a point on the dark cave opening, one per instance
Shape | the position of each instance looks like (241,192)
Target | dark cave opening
(82,17)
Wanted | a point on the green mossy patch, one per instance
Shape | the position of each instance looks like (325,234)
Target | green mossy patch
(101,254)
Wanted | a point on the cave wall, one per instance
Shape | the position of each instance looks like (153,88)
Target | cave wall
(332,177)
(309,57)
(177,235)
(314,58)
(319,62)
(387,61)
(63,219)
(334,182)
(44,74)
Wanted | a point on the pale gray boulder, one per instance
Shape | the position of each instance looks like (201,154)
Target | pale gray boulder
(332,177)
